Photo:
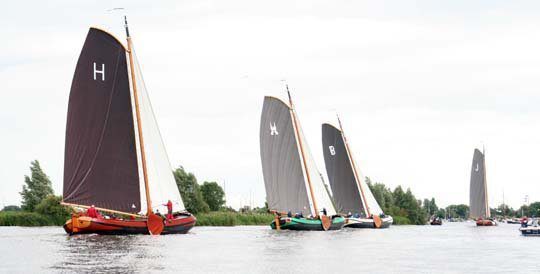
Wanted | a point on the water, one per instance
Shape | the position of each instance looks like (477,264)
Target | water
(451,248)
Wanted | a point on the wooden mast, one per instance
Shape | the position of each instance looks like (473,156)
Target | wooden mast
(295,122)
(138,114)
(486,205)
(354,167)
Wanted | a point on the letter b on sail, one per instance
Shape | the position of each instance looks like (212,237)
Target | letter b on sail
(102,72)
(332,150)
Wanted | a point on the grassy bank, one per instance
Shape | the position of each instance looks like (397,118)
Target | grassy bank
(233,219)
(22,218)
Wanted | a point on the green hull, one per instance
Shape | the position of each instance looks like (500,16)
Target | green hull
(307,224)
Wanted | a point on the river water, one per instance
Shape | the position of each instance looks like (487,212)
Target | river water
(450,248)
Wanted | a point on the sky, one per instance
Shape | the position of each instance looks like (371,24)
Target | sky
(417,84)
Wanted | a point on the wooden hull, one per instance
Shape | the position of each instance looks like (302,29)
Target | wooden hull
(367,223)
(85,225)
(307,224)
(485,223)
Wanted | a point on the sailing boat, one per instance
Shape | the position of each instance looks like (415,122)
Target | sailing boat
(115,158)
(295,191)
(478,198)
(351,193)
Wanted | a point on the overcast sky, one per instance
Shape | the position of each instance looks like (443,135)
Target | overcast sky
(418,85)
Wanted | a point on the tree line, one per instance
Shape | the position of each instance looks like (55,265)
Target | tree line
(42,207)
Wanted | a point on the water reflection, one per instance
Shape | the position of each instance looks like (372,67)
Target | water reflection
(109,254)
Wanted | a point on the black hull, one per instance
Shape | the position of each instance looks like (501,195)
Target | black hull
(368,225)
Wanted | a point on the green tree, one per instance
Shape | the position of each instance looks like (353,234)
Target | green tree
(534,210)
(36,188)
(190,191)
(458,211)
(11,208)
(50,206)
(382,194)
(213,195)
(430,206)
(440,213)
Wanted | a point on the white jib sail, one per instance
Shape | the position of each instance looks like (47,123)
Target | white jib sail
(322,198)
(162,184)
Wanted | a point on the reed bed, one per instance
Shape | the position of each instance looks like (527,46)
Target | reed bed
(233,219)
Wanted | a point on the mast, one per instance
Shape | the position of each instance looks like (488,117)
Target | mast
(293,113)
(488,214)
(366,206)
(139,126)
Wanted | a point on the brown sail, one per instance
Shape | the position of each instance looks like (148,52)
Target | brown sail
(100,164)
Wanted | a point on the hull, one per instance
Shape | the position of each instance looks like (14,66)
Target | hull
(530,231)
(435,223)
(367,223)
(307,224)
(85,225)
(485,223)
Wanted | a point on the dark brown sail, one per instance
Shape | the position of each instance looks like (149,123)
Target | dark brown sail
(100,165)
(340,172)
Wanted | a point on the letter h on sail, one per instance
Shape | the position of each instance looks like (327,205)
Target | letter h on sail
(102,72)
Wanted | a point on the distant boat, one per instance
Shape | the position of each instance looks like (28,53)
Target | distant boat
(295,191)
(351,193)
(530,227)
(115,158)
(435,221)
(478,198)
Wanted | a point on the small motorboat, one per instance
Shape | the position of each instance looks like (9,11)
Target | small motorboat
(512,221)
(530,228)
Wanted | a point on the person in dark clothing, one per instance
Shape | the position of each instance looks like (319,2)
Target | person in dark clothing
(289,214)
(324,211)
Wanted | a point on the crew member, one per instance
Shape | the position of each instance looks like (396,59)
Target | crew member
(92,212)
(169,210)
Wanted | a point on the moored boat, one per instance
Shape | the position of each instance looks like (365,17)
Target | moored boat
(292,181)
(530,227)
(115,158)
(351,194)
(478,196)
(435,221)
